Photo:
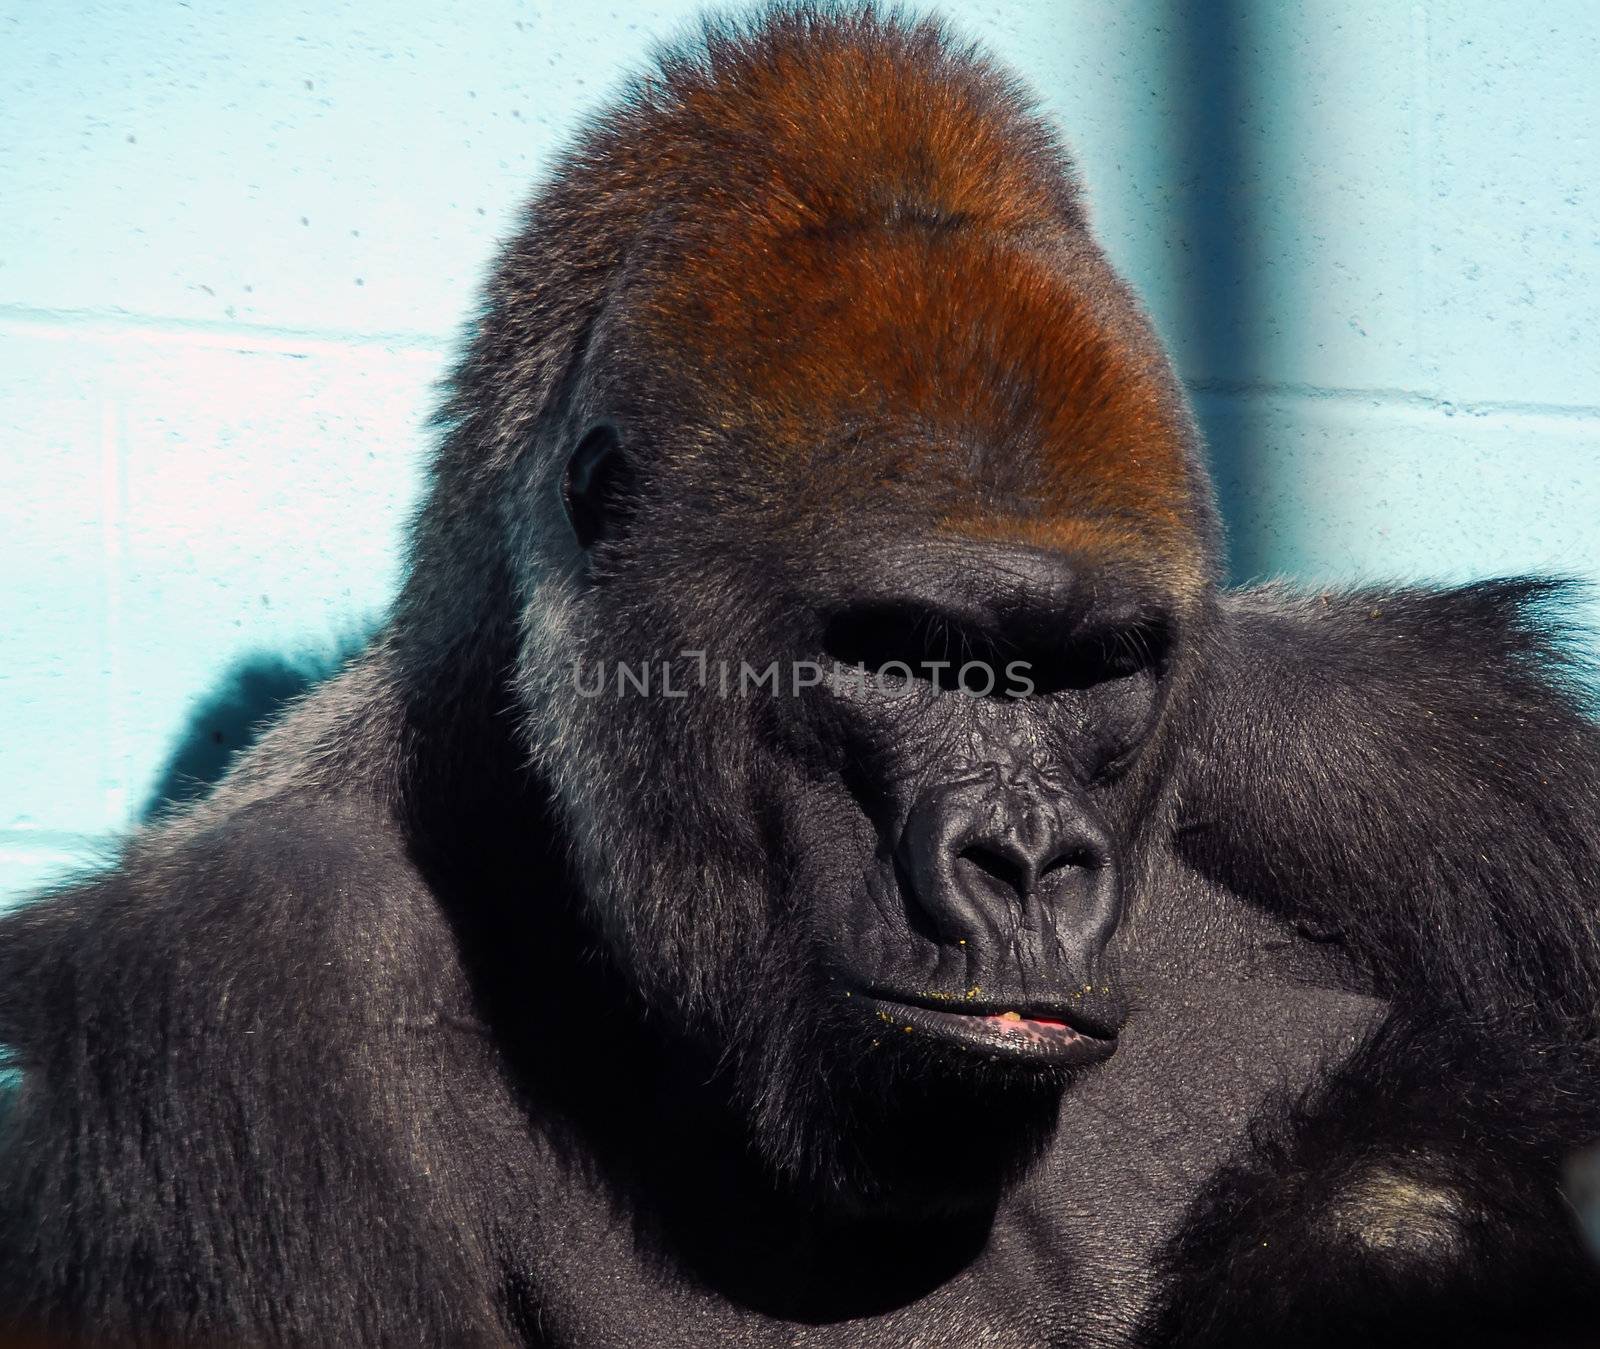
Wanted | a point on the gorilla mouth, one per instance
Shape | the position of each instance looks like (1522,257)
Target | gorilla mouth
(1045,1037)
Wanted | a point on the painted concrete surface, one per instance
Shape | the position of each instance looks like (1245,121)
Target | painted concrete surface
(237,242)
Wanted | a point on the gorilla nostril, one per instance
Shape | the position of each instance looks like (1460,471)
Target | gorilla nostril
(1073,859)
(999,866)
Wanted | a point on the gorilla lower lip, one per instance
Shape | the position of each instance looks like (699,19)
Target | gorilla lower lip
(1045,1040)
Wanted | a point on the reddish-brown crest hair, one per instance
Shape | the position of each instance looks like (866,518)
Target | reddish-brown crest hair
(839,228)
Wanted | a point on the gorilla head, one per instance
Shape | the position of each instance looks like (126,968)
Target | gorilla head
(859,537)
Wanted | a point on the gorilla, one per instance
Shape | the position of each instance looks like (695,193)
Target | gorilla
(815,856)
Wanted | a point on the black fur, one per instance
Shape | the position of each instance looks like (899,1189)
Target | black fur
(471,1011)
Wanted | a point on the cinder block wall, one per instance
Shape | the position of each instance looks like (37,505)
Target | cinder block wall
(237,241)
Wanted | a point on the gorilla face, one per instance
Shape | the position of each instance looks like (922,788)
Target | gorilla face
(979,703)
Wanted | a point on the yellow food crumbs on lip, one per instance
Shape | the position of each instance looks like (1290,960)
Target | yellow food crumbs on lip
(1011,1016)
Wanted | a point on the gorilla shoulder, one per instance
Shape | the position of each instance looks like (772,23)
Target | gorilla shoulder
(263,1008)
(1415,773)
(286,916)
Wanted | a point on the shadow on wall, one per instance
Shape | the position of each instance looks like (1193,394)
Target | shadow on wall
(245,701)
(1223,326)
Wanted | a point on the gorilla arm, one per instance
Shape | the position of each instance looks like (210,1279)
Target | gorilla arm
(1410,774)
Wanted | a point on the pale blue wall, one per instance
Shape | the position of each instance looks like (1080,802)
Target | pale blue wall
(236,240)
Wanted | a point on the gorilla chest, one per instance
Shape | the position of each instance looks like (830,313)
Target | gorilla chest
(1066,1258)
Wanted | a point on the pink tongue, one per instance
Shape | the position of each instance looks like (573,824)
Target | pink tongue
(1017,1019)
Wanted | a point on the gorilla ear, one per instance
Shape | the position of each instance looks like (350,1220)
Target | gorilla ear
(597,476)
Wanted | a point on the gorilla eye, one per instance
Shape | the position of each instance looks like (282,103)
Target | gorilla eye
(881,635)
(597,481)
(1103,658)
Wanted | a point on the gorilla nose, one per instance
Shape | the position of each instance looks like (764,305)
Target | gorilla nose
(977,849)
(1021,861)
